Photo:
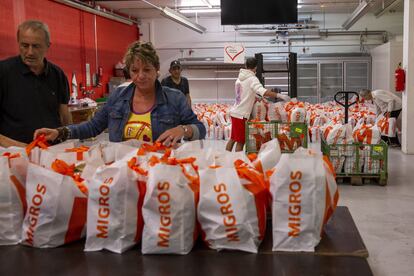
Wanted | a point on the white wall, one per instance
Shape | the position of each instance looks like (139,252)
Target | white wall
(175,41)
(385,59)
(381,67)
(407,143)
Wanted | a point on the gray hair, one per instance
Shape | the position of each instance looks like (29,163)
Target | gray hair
(364,93)
(35,25)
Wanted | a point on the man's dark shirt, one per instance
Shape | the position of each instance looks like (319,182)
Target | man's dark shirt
(182,86)
(29,102)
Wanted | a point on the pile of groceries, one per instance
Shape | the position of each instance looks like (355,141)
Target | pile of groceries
(117,195)
(325,121)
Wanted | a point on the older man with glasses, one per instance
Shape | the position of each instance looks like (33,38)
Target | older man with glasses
(33,91)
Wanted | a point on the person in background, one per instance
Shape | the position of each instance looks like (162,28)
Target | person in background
(247,86)
(387,104)
(175,80)
(34,92)
(127,77)
(144,110)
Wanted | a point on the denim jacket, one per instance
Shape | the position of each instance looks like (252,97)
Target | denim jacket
(171,109)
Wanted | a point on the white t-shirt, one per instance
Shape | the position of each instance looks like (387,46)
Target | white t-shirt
(246,87)
(386,101)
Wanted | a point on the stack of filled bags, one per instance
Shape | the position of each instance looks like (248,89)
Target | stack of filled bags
(120,194)
(216,119)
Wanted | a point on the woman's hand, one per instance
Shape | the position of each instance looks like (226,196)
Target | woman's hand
(172,136)
(50,134)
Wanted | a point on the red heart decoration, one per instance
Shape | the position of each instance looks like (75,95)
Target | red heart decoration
(232,52)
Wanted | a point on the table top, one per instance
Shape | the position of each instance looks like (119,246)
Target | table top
(74,108)
(340,252)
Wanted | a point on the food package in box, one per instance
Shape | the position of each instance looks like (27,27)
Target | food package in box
(351,165)
(259,111)
(337,163)
(315,134)
(387,126)
(371,165)
(261,137)
(297,115)
(227,132)
(276,112)
(367,134)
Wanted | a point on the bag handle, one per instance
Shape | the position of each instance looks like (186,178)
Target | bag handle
(40,142)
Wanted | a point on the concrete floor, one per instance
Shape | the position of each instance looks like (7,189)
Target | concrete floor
(385,216)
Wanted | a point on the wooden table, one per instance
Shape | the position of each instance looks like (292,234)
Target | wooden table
(341,252)
(81,114)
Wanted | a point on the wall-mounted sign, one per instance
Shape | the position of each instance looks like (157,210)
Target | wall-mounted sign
(234,53)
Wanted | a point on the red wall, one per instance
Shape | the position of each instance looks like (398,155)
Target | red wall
(72,36)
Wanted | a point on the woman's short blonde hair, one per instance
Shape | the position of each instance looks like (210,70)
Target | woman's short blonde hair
(144,51)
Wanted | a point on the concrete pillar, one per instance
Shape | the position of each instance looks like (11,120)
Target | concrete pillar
(407,143)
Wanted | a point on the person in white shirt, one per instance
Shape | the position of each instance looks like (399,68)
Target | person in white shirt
(387,104)
(247,86)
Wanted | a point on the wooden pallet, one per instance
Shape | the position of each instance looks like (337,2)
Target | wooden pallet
(359,180)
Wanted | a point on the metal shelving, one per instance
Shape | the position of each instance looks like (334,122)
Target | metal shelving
(319,78)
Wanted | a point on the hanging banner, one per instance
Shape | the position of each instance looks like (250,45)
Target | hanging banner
(234,53)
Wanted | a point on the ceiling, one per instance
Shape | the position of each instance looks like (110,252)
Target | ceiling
(141,9)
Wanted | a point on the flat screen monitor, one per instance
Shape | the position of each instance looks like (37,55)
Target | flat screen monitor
(245,12)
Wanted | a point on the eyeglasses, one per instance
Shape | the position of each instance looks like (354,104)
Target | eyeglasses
(25,46)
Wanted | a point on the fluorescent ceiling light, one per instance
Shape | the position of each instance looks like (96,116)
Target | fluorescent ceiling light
(179,18)
(299,6)
(207,2)
(112,16)
(360,11)
(200,10)
(387,8)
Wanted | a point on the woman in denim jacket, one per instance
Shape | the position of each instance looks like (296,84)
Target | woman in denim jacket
(143,110)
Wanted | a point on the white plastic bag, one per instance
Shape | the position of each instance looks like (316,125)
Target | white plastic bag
(231,216)
(298,114)
(169,212)
(268,156)
(259,111)
(299,192)
(387,126)
(277,112)
(12,200)
(56,211)
(114,209)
